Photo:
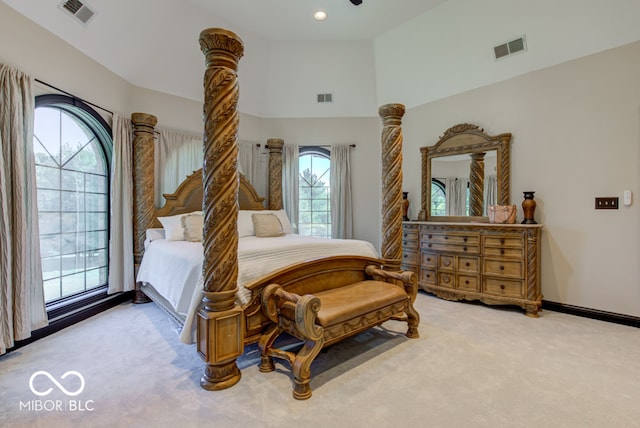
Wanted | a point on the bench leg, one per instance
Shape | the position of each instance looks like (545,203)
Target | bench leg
(302,368)
(265,344)
(413,320)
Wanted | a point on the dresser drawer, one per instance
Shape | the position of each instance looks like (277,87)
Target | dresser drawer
(451,248)
(446,279)
(503,268)
(507,252)
(503,287)
(410,234)
(429,260)
(410,257)
(505,241)
(446,262)
(468,282)
(451,238)
(468,265)
(428,276)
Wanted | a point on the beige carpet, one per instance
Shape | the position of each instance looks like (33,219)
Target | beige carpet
(473,366)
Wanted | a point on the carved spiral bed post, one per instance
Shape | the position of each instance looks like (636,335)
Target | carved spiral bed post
(143,211)
(476,185)
(220,338)
(275,173)
(391,115)
(425,187)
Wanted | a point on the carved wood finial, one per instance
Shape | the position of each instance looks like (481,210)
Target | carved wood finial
(220,342)
(275,173)
(459,128)
(391,115)
(143,185)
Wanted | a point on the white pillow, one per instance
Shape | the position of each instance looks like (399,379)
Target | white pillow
(245,222)
(172,225)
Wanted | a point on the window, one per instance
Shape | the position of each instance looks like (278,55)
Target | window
(72,146)
(438,198)
(314,209)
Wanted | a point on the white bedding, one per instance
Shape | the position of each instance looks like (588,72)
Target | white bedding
(174,268)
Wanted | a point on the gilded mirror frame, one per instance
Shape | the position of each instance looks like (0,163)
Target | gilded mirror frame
(469,139)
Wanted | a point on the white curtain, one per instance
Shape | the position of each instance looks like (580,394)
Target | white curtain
(456,195)
(341,206)
(177,155)
(121,271)
(490,192)
(22,306)
(252,163)
(290,180)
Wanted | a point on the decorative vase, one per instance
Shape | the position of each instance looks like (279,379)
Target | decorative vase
(528,207)
(405,206)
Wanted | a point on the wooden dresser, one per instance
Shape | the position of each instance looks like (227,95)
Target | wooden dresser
(498,264)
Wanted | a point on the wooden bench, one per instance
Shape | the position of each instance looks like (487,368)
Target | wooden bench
(332,313)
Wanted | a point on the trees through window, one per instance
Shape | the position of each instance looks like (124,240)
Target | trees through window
(72,148)
(314,202)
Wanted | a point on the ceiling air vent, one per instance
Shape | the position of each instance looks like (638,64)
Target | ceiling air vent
(510,48)
(325,98)
(79,10)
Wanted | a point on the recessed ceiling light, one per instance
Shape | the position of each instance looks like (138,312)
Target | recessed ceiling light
(320,15)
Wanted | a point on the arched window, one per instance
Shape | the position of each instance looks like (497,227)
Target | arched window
(438,198)
(314,204)
(72,146)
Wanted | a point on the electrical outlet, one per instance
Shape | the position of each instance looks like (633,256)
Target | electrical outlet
(607,203)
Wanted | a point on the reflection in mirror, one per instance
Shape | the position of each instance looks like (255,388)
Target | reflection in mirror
(463,173)
(450,181)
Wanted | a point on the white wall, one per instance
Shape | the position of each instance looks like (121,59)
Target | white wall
(449,49)
(298,71)
(365,161)
(576,135)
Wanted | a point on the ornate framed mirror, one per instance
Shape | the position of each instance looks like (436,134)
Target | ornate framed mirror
(465,171)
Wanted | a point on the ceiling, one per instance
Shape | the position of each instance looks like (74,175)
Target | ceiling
(130,38)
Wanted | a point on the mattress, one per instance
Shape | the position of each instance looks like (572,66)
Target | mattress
(174,268)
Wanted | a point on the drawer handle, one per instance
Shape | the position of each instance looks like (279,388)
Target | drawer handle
(446,279)
(501,267)
(405,235)
(446,237)
(467,282)
(464,239)
(428,259)
(501,250)
(405,255)
(430,236)
(501,286)
(464,248)
(502,241)
(429,245)
(467,264)
(428,275)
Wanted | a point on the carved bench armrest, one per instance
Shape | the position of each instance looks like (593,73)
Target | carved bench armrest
(305,308)
(408,278)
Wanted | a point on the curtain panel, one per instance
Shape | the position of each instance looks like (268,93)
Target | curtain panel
(121,270)
(341,204)
(22,306)
(290,181)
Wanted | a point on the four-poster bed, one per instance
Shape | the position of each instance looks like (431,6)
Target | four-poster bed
(224,325)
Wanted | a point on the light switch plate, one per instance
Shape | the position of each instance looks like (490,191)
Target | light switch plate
(607,203)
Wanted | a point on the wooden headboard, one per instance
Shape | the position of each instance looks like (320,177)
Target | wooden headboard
(188,197)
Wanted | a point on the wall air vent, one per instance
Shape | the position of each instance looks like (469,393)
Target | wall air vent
(510,48)
(79,10)
(325,98)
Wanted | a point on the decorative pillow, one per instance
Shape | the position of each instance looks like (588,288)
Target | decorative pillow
(192,225)
(172,225)
(267,225)
(245,221)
